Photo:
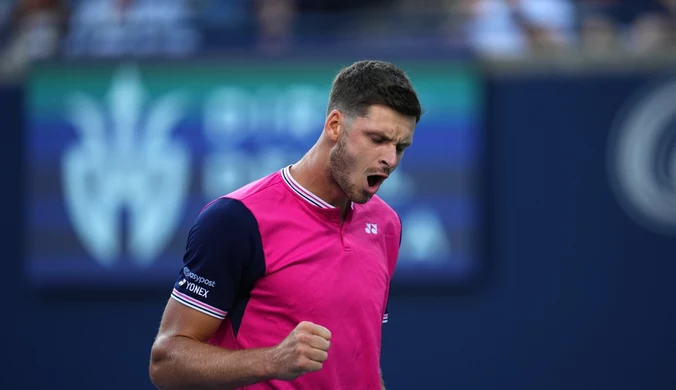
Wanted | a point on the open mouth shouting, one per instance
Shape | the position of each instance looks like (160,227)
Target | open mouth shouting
(373,182)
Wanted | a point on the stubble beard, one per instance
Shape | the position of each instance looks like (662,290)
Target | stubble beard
(341,163)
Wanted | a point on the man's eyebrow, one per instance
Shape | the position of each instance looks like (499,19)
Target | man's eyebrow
(379,133)
(385,137)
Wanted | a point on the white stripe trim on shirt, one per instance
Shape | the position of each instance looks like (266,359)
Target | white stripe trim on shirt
(197,305)
(300,190)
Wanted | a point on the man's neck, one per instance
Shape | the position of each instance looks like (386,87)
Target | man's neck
(310,172)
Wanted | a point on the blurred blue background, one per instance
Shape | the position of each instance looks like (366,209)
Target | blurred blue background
(539,199)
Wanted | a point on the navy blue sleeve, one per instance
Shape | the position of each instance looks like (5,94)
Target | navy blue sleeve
(223,259)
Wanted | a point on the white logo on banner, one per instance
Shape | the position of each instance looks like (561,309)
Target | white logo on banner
(642,159)
(125,160)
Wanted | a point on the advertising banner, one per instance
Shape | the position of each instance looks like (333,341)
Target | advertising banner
(121,157)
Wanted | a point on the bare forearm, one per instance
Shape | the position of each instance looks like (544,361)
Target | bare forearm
(183,363)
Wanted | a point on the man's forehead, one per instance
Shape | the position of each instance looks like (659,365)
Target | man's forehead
(390,121)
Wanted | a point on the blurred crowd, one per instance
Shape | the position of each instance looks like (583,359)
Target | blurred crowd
(39,29)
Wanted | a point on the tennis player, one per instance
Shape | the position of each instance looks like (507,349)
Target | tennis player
(285,281)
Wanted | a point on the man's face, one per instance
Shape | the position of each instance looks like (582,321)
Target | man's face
(368,150)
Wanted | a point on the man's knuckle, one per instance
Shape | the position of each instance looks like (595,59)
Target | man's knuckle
(303,338)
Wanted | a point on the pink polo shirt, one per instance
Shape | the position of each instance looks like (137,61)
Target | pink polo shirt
(272,254)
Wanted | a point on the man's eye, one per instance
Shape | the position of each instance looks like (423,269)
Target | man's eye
(377,140)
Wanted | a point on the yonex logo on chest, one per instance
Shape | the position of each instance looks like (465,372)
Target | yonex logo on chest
(371,228)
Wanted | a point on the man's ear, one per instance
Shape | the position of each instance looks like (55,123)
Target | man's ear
(335,125)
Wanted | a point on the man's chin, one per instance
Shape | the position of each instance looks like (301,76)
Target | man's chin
(361,198)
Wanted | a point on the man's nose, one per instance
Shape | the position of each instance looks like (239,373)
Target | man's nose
(389,159)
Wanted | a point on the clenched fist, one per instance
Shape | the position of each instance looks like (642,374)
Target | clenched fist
(304,350)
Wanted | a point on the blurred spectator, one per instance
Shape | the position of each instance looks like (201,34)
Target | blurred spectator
(599,36)
(456,16)
(547,24)
(114,28)
(650,33)
(224,24)
(275,21)
(35,32)
(6,9)
(508,28)
(670,13)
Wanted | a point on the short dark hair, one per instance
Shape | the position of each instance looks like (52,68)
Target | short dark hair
(366,83)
